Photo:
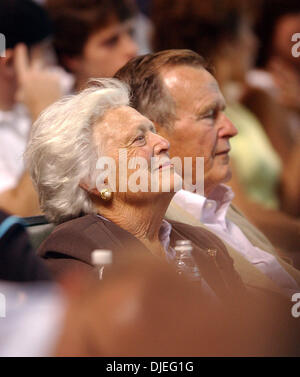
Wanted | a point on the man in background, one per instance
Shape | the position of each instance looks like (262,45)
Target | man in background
(92,38)
(26,88)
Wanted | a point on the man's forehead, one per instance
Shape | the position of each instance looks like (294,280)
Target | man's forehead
(185,74)
(193,84)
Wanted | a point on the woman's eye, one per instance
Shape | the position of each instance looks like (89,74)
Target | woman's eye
(140,138)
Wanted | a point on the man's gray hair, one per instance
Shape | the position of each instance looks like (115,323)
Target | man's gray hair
(61,152)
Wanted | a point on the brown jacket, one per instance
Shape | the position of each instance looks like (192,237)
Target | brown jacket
(71,243)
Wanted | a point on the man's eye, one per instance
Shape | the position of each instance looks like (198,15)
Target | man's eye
(131,31)
(212,114)
(111,42)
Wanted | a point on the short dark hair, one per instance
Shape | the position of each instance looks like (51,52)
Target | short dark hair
(23,21)
(75,20)
(148,94)
(271,12)
(201,26)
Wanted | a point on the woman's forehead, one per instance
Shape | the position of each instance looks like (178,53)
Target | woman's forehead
(123,114)
(122,121)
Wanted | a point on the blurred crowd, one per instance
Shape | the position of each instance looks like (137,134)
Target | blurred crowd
(81,79)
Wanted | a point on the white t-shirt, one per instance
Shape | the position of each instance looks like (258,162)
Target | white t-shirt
(14,133)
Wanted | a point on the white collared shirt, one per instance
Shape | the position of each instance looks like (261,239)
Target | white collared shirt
(212,212)
(14,132)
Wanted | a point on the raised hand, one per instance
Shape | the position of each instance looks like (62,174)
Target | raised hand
(38,87)
(288,81)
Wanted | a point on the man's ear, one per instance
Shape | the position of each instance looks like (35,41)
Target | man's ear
(162,131)
(157,126)
(73,63)
(7,63)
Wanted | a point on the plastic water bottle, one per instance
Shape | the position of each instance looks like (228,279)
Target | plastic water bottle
(100,259)
(187,266)
(184,260)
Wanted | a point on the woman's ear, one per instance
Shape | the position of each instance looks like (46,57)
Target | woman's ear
(89,190)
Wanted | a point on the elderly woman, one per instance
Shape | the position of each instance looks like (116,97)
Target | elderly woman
(71,144)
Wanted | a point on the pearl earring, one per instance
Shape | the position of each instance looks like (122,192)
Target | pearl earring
(106,194)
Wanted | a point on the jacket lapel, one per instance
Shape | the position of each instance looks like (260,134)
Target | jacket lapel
(249,274)
(258,239)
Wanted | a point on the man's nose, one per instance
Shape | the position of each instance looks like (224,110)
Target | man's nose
(130,48)
(227,128)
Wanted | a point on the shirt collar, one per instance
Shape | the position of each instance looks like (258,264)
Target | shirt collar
(209,209)
(164,237)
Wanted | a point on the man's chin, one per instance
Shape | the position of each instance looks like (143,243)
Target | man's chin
(224,178)
(228,176)
(213,180)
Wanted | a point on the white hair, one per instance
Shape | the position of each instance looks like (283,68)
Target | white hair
(61,152)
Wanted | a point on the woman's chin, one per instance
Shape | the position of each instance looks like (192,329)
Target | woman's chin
(172,184)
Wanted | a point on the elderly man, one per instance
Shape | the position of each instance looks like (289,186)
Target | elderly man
(174,90)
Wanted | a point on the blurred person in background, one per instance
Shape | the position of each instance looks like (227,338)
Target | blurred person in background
(18,260)
(221,32)
(92,38)
(274,89)
(141,308)
(26,88)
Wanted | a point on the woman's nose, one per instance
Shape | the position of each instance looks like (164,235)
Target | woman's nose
(161,144)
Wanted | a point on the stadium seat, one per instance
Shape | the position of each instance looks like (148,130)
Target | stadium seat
(38,229)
